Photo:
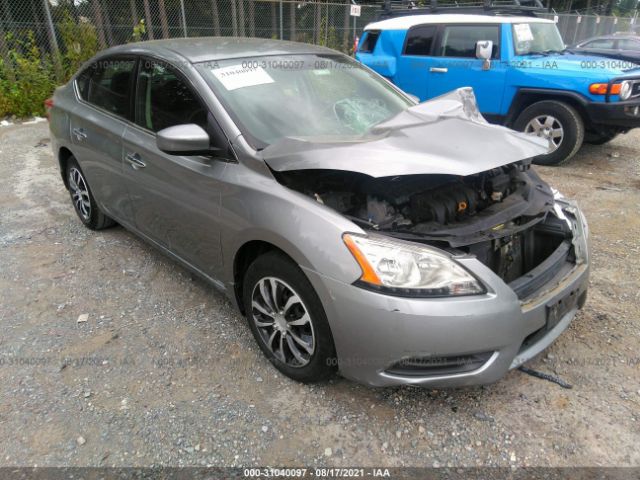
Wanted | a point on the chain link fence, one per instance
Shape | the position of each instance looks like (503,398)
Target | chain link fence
(56,26)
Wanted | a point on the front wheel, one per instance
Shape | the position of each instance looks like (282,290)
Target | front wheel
(287,319)
(557,122)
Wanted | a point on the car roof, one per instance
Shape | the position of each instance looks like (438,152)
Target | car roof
(203,49)
(404,23)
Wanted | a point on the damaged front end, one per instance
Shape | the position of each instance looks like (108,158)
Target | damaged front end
(459,184)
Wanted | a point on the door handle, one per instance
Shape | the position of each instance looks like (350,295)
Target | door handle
(439,69)
(79,133)
(135,161)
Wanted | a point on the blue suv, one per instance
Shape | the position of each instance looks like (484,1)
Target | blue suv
(521,73)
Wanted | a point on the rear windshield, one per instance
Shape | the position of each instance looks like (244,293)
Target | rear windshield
(302,96)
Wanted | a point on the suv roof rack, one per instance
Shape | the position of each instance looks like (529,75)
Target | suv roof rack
(401,8)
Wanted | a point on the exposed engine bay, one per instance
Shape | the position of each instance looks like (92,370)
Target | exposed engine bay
(503,216)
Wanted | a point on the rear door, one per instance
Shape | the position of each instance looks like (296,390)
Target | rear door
(97,124)
(176,199)
(456,64)
(417,60)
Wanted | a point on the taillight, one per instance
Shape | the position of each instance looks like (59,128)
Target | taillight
(48,105)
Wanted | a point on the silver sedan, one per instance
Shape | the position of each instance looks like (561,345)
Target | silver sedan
(358,231)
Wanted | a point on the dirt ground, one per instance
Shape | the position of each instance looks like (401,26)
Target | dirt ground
(165,372)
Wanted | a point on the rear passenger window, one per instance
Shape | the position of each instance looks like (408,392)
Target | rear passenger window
(420,40)
(460,40)
(107,84)
(369,42)
(164,99)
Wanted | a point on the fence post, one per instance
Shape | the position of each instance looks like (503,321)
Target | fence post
(53,41)
(184,19)
(5,55)
(281,27)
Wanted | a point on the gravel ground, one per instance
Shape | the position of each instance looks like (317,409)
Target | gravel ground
(165,372)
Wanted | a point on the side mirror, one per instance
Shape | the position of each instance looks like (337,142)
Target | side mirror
(484,51)
(187,139)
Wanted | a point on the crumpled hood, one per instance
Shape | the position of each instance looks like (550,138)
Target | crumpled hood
(446,135)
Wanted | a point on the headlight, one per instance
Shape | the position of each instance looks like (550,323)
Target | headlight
(406,269)
(625,90)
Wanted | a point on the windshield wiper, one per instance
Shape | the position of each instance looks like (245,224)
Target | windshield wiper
(546,53)
(555,52)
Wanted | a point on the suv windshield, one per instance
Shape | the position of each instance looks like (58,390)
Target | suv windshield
(301,96)
(537,38)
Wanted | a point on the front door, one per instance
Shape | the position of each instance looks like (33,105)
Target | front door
(456,65)
(175,198)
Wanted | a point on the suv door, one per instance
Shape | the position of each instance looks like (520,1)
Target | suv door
(97,124)
(456,64)
(176,199)
(416,61)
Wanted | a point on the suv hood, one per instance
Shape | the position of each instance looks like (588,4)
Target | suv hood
(584,65)
(446,135)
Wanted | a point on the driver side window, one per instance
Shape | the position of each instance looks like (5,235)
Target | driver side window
(163,99)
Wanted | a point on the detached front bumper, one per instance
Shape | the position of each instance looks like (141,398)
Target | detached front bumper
(383,340)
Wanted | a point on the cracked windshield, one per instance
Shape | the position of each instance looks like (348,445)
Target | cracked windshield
(302,96)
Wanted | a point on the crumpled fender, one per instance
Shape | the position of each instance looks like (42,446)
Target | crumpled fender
(446,135)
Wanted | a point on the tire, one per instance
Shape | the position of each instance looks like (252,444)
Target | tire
(564,116)
(276,268)
(82,199)
(599,138)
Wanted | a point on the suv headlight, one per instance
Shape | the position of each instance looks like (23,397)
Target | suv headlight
(625,90)
(407,269)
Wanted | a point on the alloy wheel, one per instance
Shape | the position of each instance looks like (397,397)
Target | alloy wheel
(546,126)
(79,193)
(283,321)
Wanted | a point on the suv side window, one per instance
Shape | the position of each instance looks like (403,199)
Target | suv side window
(420,40)
(369,43)
(460,40)
(107,84)
(164,99)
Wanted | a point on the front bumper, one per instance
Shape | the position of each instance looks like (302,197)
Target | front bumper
(373,333)
(615,114)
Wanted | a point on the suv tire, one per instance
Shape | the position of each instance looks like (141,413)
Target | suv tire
(557,121)
(82,199)
(287,319)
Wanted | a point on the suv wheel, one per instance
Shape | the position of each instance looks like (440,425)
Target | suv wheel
(82,198)
(287,319)
(557,122)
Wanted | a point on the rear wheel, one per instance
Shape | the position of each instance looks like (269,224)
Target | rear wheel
(557,122)
(82,198)
(287,319)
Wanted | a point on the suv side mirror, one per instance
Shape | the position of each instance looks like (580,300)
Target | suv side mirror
(484,51)
(187,139)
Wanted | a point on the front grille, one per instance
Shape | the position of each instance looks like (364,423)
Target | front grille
(432,366)
(635,89)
